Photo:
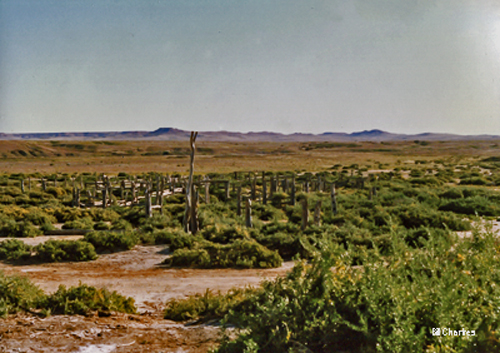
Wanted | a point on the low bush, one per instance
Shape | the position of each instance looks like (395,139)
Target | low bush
(18,294)
(64,250)
(82,223)
(109,242)
(84,299)
(240,254)
(208,306)
(472,205)
(474,181)
(14,249)
(390,305)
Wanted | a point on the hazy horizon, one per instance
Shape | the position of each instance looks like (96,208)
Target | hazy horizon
(283,66)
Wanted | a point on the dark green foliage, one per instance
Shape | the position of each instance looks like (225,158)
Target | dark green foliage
(18,294)
(453,193)
(390,305)
(417,215)
(157,222)
(241,253)
(14,249)
(64,250)
(121,224)
(85,299)
(11,228)
(82,223)
(109,242)
(208,306)
(225,234)
(102,226)
(472,205)
(474,181)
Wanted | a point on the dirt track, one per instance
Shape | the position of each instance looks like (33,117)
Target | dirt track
(136,273)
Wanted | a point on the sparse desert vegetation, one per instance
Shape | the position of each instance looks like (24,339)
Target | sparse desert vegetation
(385,242)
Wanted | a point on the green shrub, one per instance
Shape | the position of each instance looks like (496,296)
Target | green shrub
(453,193)
(39,217)
(109,242)
(65,250)
(241,254)
(18,294)
(471,206)
(82,223)
(84,299)
(57,192)
(474,181)
(121,224)
(14,249)
(156,222)
(102,226)
(390,305)
(27,230)
(225,234)
(208,306)
(286,244)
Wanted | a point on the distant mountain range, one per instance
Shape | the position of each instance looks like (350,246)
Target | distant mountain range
(172,134)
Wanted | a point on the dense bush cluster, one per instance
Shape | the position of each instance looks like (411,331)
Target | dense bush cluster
(19,294)
(390,304)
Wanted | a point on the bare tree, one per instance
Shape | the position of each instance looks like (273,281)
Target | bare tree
(190,222)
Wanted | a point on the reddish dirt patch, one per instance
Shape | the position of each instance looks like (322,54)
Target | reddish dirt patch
(136,273)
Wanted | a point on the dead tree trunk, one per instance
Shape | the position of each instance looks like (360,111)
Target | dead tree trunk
(189,187)
(334,200)
(305,214)
(238,201)
(248,213)
(317,214)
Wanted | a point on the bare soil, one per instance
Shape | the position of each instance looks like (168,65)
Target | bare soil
(137,273)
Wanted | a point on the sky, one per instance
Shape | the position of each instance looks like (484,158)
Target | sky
(311,66)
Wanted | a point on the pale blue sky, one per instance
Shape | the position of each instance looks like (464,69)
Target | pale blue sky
(250,65)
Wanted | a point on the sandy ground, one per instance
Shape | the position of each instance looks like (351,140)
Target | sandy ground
(136,273)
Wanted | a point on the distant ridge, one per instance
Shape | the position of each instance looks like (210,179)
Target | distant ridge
(172,134)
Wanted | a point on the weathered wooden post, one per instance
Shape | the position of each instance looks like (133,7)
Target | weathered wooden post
(292,191)
(104,197)
(238,201)
(147,195)
(134,196)
(305,214)
(226,190)
(333,199)
(317,214)
(189,187)
(248,213)
(157,199)
(77,198)
(194,210)
(307,187)
(207,192)
(122,189)
(44,185)
(22,186)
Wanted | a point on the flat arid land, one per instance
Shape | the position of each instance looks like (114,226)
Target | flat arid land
(414,189)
